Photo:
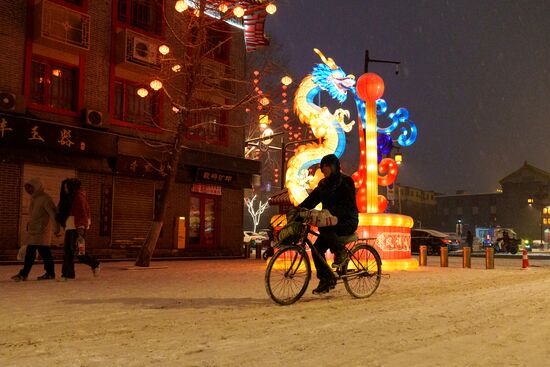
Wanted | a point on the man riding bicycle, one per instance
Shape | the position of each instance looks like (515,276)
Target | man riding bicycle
(337,194)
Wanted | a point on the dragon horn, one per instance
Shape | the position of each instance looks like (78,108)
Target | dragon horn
(329,62)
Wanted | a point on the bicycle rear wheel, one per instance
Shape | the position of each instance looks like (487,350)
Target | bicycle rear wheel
(287,275)
(362,271)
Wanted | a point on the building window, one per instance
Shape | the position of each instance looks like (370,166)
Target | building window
(475,210)
(54,85)
(129,107)
(143,14)
(218,44)
(208,126)
(493,209)
(202,220)
(459,210)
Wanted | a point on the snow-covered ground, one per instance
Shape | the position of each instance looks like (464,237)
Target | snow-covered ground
(217,313)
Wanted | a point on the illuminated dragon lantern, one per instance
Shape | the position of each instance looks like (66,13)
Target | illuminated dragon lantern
(330,128)
(391,231)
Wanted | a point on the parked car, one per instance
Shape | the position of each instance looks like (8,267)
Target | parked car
(257,237)
(429,237)
(455,243)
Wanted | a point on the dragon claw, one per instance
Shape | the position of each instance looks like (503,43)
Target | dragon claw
(340,114)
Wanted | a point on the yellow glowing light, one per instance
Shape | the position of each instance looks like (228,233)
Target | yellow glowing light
(271,8)
(175,109)
(156,84)
(181,6)
(399,264)
(197,13)
(385,219)
(264,101)
(56,72)
(223,7)
(238,11)
(163,49)
(263,120)
(286,80)
(176,68)
(142,92)
(398,158)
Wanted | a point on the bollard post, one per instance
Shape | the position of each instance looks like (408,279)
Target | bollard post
(246,247)
(467,260)
(423,260)
(444,255)
(489,258)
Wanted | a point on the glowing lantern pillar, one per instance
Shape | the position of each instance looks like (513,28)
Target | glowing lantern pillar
(391,231)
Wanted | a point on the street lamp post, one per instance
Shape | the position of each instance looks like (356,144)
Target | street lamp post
(368,59)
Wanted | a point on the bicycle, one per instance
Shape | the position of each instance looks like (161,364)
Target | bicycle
(289,271)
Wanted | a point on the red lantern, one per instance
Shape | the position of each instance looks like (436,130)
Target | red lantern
(370,87)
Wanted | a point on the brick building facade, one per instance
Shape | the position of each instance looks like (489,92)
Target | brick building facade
(69,72)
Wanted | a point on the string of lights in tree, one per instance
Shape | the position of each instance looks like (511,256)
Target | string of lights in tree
(217,8)
(227,10)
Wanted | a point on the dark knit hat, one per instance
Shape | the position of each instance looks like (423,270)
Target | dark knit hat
(331,160)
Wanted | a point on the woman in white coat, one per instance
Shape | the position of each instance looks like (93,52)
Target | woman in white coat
(42,213)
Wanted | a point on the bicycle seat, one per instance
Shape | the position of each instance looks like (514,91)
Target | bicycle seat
(348,238)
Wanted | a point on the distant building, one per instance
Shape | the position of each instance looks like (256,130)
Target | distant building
(414,202)
(508,208)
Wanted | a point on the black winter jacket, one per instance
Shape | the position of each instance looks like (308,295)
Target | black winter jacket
(337,193)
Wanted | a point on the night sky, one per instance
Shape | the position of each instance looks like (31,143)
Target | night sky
(475,76)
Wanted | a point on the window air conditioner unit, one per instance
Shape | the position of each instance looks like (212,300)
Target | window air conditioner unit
(144,51)
(10,102)
(95,119)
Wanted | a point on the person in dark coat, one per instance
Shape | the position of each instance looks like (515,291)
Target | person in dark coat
(74,216)
(337,194)
(470,239)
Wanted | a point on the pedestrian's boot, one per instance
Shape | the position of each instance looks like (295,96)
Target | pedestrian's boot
(18,278)
(96,270)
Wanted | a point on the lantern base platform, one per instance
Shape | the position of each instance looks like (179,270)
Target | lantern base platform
(399,264)
(391,236)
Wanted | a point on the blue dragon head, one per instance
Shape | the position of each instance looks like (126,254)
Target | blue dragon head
(331,77)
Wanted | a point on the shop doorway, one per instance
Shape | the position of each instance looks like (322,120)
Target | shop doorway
(203,220)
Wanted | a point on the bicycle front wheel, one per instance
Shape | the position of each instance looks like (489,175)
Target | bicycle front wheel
(287,275)
(362,271)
